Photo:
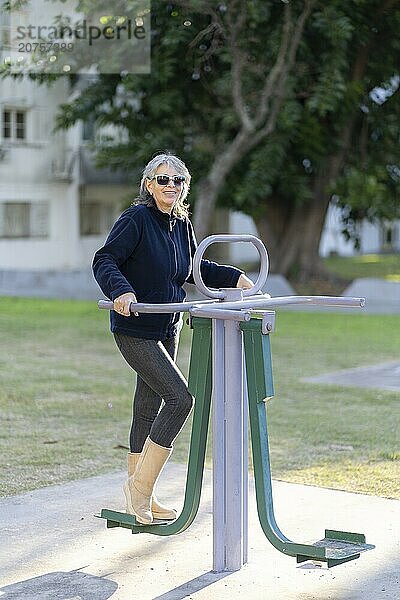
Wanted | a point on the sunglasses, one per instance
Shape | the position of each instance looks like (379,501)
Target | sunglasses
(163,180)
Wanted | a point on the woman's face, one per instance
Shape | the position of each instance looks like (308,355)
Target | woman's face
(166,195)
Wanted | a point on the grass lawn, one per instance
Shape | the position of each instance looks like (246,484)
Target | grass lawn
(65,398)
(383,266)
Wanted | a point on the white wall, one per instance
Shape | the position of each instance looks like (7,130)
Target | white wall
(240,223)
(332,239)
(371,236)
(27,175)
(371,240)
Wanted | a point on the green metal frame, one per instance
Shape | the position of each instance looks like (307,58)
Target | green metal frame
(337,546)
(200,384)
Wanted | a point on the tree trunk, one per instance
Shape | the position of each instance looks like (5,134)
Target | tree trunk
(285,250)
(277,228)
(210,186)
(268,236)
(310,264)
(293,241)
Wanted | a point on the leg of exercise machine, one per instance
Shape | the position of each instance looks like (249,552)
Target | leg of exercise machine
(337,546)
(200,387)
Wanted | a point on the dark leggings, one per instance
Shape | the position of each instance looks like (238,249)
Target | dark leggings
(158,378)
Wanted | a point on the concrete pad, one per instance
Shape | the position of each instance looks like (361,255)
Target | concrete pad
(381,296)
(75,285)
(385,376)
(52,547)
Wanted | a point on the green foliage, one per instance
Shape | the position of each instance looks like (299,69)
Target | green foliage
(9,5)
(330,113)
(367,193)
(187,105)
(369,186)
(373,194)
(348,54)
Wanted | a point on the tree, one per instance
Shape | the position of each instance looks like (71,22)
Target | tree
(369,187)
(219,86)
(271,105)
(337,136)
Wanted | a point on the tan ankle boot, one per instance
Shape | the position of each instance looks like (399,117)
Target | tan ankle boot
(141,484)
(159,510)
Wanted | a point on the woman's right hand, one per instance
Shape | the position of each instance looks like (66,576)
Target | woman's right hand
(123,302)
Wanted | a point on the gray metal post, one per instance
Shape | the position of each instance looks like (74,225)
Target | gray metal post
(218,446)
(235,452)
(245,454)
(230,449)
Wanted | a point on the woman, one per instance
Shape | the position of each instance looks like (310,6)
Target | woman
(147,257)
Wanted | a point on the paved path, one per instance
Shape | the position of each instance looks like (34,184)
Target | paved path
(385,376)
(51,547)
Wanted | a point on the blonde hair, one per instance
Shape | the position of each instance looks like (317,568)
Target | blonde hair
(181,208)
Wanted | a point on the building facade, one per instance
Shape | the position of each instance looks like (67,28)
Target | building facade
(54,206)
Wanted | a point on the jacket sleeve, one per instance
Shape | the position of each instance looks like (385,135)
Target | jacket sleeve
(121,242)
(213,274)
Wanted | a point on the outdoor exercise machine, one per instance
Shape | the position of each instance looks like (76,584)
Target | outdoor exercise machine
(231,362)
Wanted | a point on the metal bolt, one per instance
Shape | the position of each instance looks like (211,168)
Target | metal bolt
(269,326)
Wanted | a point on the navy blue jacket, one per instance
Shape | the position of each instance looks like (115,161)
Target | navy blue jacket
(149,252)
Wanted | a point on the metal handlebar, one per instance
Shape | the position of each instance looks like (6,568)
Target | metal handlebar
(259,301)
(264,263)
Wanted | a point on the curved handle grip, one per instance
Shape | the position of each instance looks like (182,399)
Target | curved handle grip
(264,263)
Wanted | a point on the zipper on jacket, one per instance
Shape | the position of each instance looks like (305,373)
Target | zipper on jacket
(175,253)
(170,325)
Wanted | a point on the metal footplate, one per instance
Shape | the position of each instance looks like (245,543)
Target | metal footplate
(118,519)
(337,547)
(122,519)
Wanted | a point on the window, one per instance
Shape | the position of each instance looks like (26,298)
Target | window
(14,124)
(96,217)
(6,124)
(24,220)
(20,125)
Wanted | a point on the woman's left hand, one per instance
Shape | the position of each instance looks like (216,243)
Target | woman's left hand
(244,282)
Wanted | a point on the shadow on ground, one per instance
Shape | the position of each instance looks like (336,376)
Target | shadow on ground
(192,586)
(60,585)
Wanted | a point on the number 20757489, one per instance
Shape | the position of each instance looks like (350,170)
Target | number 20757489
(45,47)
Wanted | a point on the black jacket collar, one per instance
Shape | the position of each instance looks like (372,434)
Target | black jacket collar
(166,218)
